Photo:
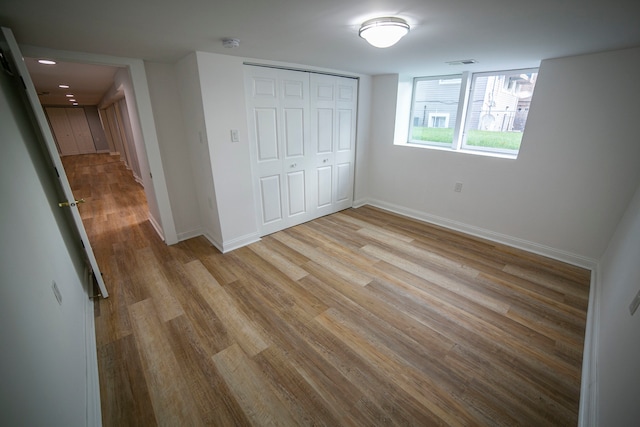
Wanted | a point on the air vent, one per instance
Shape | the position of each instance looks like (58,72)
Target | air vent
(463,62)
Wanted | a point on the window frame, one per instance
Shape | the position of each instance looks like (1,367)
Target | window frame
(439,78)
(464,111)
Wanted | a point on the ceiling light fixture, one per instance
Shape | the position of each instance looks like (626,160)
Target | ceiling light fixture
(47,61)
(63,86)
(384,32)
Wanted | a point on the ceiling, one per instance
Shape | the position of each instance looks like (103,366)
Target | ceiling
(499,34)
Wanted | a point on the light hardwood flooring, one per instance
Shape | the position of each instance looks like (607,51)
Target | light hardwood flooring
(358,318)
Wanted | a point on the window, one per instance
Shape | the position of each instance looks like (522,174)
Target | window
(435,109)
(497,106)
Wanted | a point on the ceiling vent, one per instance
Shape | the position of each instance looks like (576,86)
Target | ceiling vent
(463,62)
(230,43)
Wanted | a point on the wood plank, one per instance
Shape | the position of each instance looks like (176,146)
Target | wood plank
(363,317)
(243,377)
(242,328)
(171,397)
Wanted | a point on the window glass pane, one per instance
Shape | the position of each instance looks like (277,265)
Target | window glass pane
(434,110)
(498,109)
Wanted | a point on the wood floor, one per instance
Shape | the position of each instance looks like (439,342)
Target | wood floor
(361,318)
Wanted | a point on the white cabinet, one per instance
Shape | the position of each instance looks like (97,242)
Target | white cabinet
(302,136)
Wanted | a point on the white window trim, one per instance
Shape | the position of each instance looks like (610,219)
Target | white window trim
(404,116)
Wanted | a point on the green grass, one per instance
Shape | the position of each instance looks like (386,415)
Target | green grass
(475,138)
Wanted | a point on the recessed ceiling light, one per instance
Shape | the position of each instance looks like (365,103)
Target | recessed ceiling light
(72,100)
(47,61)
(75,103)
(69,95)
(63,86)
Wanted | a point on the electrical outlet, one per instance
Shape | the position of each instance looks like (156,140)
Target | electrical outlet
(458,187)
(634,304)
(57,292)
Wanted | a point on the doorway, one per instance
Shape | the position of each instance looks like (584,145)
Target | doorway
(136,92)
(87,109)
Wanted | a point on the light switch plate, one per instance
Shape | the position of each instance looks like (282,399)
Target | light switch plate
(234,135)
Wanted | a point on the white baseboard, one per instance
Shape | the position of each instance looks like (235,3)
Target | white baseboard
(157,227)
(230,245)
(588,413)
(186,235)
(515,242)
(94,412)
(247,239)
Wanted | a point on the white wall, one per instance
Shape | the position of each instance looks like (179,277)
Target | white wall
(43,361)
(618,348)
(196,140)
(174,148)
(563,196)
(122,80)
(223,101)
(223,108)
(363,135)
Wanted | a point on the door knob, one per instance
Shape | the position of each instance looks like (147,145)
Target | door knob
(293,165)
(67,204)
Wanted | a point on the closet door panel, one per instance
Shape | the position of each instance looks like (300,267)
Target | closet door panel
(81,130)
(270,199)
(62,131)
(277,109)
(294,132)
(343,182)
(296,187)
(324,183)
(266,120)
(324,130)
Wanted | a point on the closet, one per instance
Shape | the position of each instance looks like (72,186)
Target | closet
(302,132)
(71,130)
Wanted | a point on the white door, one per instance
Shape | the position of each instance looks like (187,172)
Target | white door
(13,55)
(62,131)
(333,136)
(81,131)
(278,113)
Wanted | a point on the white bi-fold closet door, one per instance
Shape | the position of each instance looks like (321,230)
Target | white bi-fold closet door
(302,129)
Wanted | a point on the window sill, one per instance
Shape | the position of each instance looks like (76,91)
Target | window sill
(462,151)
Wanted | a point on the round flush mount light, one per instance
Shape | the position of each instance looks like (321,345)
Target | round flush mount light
(384,32)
